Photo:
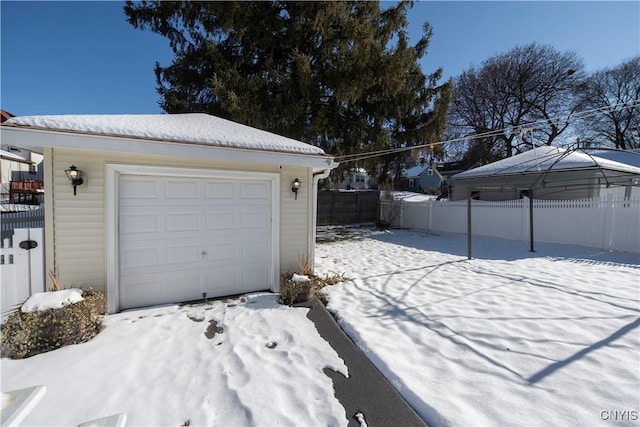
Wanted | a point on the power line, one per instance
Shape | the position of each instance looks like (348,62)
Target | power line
(516,129)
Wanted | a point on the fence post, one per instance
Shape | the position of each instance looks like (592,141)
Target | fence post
(469,223)
(524,218)
(608,223)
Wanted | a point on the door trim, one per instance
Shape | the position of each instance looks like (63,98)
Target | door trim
(112,203)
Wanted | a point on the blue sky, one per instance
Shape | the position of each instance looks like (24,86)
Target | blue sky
(84,58)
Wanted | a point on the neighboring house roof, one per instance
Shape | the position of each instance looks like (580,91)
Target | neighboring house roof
(416,171)
(539,166)
(5,115)
(629,157)
(195,128)
(544,159)
(6,155)
(450,168)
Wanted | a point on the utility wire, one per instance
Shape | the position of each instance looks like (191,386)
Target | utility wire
(516,129)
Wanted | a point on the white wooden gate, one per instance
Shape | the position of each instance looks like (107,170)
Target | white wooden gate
(21,267)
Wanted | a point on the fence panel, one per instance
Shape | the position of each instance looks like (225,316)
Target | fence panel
(450,217)
(347,207)
(604,223)
(24,219)
(507,219)
(580,222)
(415,215)
(625,225)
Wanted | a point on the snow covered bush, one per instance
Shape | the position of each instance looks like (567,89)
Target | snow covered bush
(295,288)
(390,207)
(51,320)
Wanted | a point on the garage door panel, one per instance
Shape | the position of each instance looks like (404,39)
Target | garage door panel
(254,219)
(227,283)
(221,252)
(221,220)
(255,277)
(181,189)
(194,236)
(182,221)
(254,251)
(140,223)
(253,204)
(255,190)
(149,290)
(139,188)
(181,254)
(219,190)
(141,257)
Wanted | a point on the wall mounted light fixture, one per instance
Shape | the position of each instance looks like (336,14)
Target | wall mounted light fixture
(75,176)
(295,186)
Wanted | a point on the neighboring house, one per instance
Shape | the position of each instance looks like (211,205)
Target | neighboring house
(448,169)
(628,157)
(429,177)
(16,164)
(551,173)
(356,179)
(421,178)
(18,169)
(170,208)
(5,115)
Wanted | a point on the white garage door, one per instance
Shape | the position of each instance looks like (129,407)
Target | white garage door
(187,238)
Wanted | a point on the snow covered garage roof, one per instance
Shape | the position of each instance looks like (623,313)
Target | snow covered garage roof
(541,165)
(194,128)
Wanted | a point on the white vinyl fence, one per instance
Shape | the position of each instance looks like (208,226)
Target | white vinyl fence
(21,269)
(606,223)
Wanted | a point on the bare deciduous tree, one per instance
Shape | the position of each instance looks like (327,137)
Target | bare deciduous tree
(528,84)
(616,93)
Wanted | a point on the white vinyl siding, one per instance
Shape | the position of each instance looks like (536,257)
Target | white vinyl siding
(79,222)
(79,230)
(294,219)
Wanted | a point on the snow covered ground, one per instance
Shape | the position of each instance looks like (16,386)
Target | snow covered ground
(246,361)
(507,338)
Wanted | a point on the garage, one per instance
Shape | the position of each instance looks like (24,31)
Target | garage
(185,238)
(167,208)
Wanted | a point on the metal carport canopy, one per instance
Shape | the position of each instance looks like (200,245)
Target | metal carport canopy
(549,168)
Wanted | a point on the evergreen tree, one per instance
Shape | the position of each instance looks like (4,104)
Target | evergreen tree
(340,75)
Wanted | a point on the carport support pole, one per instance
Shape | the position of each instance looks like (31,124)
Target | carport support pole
(469,224)
(531,249)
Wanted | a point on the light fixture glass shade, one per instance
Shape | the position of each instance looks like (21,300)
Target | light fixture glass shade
(73,173)
(295,186)
(75,176)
